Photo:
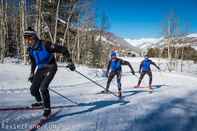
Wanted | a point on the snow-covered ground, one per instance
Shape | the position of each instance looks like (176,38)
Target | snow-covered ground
(171,107)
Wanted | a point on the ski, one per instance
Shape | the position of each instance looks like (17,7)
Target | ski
(32,108)
(146,88)
(104,92)
(44,120)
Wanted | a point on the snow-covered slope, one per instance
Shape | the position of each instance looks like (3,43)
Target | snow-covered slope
(172,106)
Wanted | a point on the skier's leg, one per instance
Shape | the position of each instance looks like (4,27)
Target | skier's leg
(141,77)
(111,76)
(150,78)
(119,83)
(119,80)
(44,86)
(34,89)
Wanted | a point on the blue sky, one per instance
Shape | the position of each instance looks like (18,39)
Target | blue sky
(144,18)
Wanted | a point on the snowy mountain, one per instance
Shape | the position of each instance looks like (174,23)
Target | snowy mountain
(145,43)
(192,35)
(117,41)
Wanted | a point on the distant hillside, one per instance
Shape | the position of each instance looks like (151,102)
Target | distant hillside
(145,43)
(117,41)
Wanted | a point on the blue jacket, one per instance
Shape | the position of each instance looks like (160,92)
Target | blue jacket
(145,65)
(116,65)
(41,55)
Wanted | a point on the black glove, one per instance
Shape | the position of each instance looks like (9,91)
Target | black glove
(158,68)
(133,72)
(139,71)
(71,66)
(31,77)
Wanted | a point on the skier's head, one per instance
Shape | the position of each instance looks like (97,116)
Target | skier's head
(113,55)
(146,57)
(30,37)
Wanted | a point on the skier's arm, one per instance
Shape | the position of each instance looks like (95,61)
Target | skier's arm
(153,63)
(33,67)
(108,67)
(32,61)
(140,66)
(127,63)
(54,48)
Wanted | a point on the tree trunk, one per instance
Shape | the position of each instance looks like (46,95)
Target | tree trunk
(22,28)
(78,46)
(56,21)
(182,56)
(2,31)
(38,20)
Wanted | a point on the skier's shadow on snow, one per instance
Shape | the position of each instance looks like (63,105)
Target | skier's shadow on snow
(134,92)
(96,105)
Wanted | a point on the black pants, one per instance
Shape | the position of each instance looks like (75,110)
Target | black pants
(40,84)
(143,73)
(111,76)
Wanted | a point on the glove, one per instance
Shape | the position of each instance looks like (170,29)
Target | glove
(139,71)
(30,79)
(133,72)
(71,66)
(158,68)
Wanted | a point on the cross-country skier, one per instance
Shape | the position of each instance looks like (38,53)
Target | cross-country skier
(145,69)
(43,67)
(115,64)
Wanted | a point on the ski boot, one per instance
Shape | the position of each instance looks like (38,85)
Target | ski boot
(137,86)
(150,89)
(106,91)
(119,94)
(47,112)
(37,104)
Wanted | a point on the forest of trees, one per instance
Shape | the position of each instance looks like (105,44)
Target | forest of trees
(188,54)
(71,23)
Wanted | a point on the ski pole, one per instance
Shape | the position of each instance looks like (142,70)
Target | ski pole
(90,80)
(136,76)
(62,66)
(63,96)
(94,82)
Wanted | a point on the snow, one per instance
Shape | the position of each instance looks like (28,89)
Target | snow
(192,35)
(171,107)
(143,42)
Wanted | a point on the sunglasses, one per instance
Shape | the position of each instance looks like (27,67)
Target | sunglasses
(28,39)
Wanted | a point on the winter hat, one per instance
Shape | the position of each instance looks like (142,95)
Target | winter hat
(146,57)
(113,54)
(30,33)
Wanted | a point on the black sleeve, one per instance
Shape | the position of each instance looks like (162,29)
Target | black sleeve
(127,63)
(33,64)
(54,48)
(108,66)
(153,63)
(141,66)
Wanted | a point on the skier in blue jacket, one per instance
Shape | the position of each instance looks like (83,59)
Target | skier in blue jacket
(115,64)
(43,67)
(145,69)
